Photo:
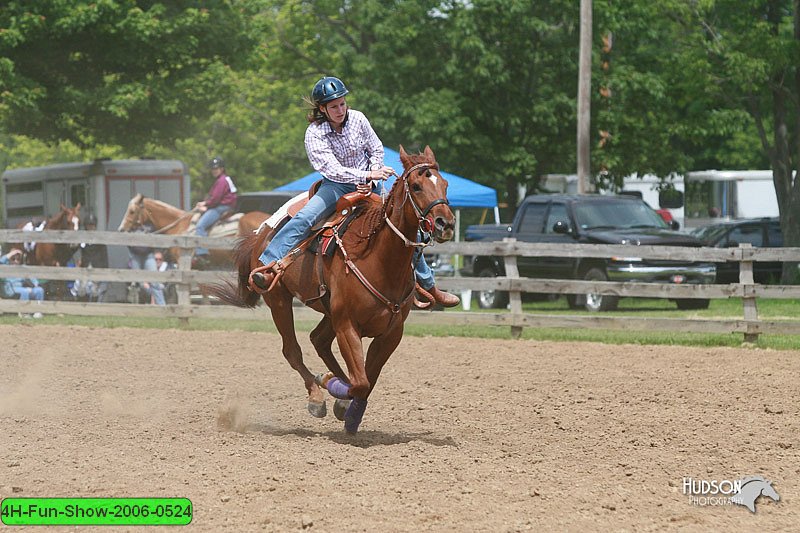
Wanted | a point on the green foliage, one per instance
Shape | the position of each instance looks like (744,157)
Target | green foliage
(490,85)
(115,71)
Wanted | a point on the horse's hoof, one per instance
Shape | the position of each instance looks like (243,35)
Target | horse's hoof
(354,414)
(339,407)
(317,409)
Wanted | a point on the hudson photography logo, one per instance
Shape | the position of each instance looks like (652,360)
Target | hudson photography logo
(743,491)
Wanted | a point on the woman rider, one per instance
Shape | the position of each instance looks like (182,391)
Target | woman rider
(342,146)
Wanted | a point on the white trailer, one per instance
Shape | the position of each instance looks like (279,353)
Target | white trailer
(103,188)
(735,193)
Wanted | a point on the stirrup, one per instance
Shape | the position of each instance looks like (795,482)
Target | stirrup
(275,267)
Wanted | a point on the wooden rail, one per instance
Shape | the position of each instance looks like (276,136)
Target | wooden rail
(749,325)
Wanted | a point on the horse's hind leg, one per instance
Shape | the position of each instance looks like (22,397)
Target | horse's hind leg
(280,304)
(322,338)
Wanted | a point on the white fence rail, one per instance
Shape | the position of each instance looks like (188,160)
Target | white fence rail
(185,279)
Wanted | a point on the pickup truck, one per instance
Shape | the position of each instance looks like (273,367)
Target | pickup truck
(588,219)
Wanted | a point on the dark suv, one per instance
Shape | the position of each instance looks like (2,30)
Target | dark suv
(264,201)
(589,219)
(760,232)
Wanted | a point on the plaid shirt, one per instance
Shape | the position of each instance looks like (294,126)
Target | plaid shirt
(344,157)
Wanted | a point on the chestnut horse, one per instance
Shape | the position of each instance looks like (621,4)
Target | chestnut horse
(169,220)
(366,287)
(52,254)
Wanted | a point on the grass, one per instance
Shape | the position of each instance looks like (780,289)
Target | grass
(731,308)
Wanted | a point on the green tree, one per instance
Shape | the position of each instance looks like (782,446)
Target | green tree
(745,58)
(486,83)
(120,72)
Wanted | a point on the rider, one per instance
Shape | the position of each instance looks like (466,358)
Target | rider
(341,145)
(220,199)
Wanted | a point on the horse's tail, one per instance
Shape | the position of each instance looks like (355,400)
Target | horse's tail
(239,294)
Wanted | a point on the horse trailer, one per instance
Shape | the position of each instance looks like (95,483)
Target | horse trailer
(103,188)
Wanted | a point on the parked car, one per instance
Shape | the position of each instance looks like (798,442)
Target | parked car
(760,232)
(264,201)
(589,219)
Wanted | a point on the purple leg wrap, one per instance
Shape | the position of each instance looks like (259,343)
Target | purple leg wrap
(338,388)
(354,414)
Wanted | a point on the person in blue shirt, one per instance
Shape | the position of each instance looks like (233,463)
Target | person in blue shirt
(26,288)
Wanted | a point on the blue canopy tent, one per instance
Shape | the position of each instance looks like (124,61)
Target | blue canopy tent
(461,192)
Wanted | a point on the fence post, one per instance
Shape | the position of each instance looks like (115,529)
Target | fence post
(184,287)
(748,290)
(514,297)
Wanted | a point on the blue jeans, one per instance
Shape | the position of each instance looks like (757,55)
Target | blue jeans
(143,261)
(208,219)
(422,271)
(156,290)
(319,207)
(25,293)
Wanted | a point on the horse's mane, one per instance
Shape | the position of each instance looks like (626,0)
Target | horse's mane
(371,218)
(170,208)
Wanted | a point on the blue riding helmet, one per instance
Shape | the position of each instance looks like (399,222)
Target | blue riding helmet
(327,89)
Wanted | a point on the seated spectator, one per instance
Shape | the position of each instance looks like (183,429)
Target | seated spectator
(141,258)
(91,256)
(25,288)
(156,289)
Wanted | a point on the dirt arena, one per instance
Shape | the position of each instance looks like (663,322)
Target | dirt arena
(460,435)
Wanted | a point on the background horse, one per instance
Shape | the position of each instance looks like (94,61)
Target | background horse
(53,254)
(48,253)
(366,287)
(169,220)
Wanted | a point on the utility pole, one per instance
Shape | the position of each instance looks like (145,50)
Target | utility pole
(584,96)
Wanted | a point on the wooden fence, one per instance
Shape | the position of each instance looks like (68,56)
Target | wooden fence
(750,325)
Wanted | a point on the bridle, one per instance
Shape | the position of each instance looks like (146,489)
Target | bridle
(425,224)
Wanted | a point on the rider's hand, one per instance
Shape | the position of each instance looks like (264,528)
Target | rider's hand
(381,173)
(364,188)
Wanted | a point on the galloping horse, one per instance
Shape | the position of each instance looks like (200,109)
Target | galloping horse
(364,290)
(169,220)
(51,254)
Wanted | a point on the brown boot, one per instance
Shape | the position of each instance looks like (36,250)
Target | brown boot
(445,299)
(262,279)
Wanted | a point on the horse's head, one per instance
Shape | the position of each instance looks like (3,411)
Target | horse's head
(68,218)
(427,191)
(135,214)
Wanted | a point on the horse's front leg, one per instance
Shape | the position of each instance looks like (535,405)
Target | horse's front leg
(379,351)
(280,304)
(349,340)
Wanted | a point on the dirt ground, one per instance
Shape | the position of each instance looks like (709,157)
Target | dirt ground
(460,434)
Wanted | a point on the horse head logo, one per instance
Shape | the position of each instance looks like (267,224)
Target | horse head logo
(752,488)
